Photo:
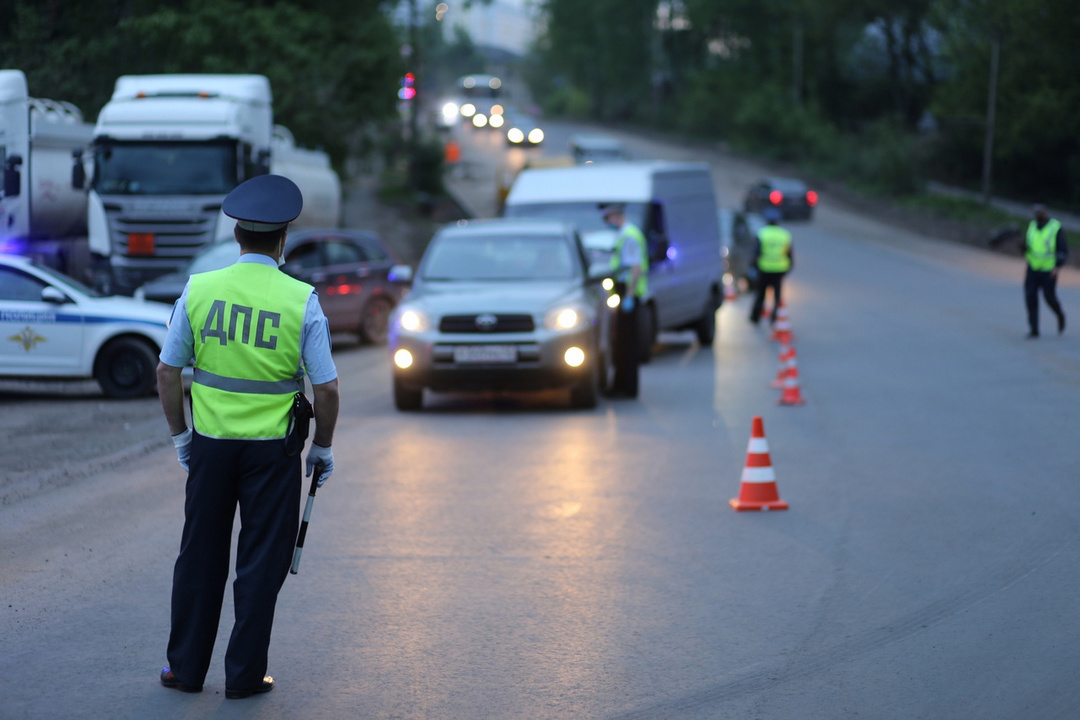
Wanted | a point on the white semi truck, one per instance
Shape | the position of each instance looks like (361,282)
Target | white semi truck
(41,214)
(166,151)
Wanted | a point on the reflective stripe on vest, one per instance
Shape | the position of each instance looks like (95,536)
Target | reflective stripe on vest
(630,230)
(1042,245)
(775,243)
(247,320)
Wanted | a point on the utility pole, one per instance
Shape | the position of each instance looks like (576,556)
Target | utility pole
(414,59)
(991,112)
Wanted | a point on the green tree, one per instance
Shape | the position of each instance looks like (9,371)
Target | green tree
(333,68)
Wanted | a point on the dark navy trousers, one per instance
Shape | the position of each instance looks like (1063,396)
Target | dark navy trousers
(1034,281)
(265,483)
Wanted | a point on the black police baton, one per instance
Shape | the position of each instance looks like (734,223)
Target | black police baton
(315,475)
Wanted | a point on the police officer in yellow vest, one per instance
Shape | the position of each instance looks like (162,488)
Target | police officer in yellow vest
(773,257)
(253,332)
(1046,250)
(630,264)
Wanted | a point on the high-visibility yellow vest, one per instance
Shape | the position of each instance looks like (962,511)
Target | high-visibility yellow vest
(247,320)
(1042,245)
(775,247)
(632,231)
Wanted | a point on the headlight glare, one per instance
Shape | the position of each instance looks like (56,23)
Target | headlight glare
(613,301)
(413,321)
(564,318)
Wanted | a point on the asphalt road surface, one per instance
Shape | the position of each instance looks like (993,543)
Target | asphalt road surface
(507,557)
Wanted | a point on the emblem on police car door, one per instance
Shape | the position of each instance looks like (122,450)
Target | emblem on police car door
(28,339)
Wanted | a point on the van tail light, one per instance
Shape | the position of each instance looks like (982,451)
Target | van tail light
(811,198)
(776,197)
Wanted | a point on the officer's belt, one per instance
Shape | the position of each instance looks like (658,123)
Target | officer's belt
(254,387)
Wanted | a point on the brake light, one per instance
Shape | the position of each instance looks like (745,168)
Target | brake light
(776,197)
(811,198)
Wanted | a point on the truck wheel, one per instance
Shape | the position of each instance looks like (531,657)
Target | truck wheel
(375,320)
(126,368)
(706,326)
(407,398)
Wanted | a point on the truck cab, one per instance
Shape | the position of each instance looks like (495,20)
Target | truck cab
(167,149)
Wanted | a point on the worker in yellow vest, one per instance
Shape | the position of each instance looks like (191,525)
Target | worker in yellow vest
(630,265)
(1045,250)
(774,258)
(254,332)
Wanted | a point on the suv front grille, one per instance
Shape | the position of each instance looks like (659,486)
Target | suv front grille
(482,323)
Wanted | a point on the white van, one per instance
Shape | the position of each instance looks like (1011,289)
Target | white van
(673,203)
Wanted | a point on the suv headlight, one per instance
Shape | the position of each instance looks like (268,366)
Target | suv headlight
(567,317)
(413,321)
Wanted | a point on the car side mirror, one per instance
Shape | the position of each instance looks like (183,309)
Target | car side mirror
(12,176)
(53,296)
(78,172)
(400,274)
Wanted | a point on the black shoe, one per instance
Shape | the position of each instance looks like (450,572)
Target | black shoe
(266,686)
(1032,335)
(169,680)
(1061,323)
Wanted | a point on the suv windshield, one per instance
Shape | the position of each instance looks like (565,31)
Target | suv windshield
(490,257)
(165,168)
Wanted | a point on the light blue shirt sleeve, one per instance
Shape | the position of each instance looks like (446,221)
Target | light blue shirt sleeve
(315,343)
(179,347)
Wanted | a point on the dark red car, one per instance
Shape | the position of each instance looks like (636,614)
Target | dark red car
(791,197)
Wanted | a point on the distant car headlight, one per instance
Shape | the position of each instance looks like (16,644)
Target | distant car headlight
(414,321)
(496,121)
(450,111)
(515,135)
(564,318)
(479,120)
(613,300)
(536,136)
(608,284)
(468,110)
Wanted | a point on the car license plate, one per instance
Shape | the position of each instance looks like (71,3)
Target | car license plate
(485,353)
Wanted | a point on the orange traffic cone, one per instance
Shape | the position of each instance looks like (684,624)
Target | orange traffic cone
(782,326)
(758,488)
(792,394)
(787,358)
(730,293)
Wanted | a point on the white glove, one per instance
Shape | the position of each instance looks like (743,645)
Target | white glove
(318,454)
(182,443)
(628,303)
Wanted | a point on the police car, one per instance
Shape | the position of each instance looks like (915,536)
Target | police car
(52,326)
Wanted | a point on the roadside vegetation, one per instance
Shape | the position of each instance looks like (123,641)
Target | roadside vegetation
(881,95)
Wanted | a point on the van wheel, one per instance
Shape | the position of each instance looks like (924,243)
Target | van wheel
(406,398)
(126,368)
(706,326)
